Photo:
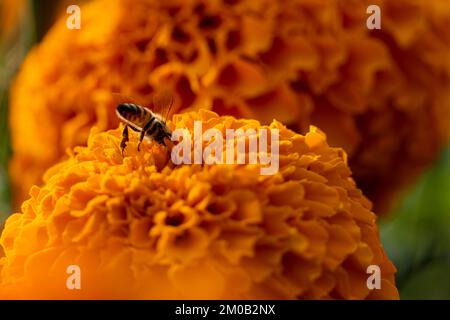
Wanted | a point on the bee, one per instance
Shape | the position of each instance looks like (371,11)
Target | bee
(147,123)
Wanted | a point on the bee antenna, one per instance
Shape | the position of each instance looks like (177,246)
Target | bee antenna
(169,108)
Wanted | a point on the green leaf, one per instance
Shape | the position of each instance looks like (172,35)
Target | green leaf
(416,235)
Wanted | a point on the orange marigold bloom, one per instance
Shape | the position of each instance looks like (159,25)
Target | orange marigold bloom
(140,227)
(382,95)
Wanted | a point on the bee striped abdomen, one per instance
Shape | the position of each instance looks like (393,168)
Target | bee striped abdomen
(134,114)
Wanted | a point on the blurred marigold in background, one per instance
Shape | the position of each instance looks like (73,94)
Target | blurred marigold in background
(140,227)
(382,95)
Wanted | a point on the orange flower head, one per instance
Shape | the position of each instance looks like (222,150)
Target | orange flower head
(140,227)
(382,95)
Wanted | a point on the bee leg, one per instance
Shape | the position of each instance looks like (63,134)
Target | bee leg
(141,137)
(125,139)
(144,132)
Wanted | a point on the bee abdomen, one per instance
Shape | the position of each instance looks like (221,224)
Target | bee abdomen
(133,113)
(127,109)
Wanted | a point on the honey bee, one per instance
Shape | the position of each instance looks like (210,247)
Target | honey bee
(148,123)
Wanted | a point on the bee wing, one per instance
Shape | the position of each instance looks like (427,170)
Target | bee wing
(162,103)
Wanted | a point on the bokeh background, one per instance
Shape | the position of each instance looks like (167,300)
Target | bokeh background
(416,233)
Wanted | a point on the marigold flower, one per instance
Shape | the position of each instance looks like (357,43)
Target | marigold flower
(140,227)
(383,95)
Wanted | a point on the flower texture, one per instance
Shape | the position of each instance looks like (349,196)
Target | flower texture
(141,227)
(382,95)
